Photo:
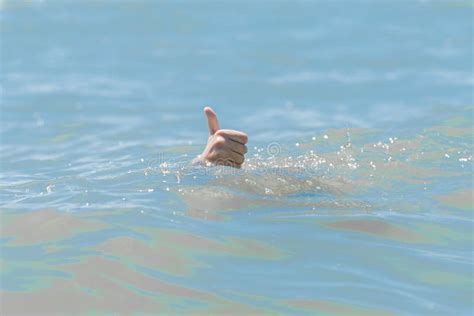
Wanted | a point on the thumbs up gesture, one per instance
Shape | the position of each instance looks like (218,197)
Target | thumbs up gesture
(224,146)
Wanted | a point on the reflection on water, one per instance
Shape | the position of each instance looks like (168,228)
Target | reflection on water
(356,197)
(375,227)
(44,226)
(331,308)
(129,259)
(114,274)
(462,199)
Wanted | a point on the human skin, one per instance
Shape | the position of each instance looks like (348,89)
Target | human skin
(224,146)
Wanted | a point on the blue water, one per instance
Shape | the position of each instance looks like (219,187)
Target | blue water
(356,197)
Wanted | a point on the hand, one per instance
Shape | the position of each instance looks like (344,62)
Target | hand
(224,146)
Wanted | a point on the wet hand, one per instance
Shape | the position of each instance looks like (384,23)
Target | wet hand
(224,146)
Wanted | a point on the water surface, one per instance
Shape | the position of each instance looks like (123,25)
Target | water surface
(356,197)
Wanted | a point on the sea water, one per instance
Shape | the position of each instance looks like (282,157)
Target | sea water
(356,196)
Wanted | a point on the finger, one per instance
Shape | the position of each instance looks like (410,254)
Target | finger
(228,155)
(236,136)
(236,157)
(237,147)
(239,139)
(212,121)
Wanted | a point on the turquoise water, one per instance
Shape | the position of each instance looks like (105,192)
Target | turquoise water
(356,197)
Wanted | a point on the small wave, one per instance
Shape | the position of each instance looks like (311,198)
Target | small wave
(101,86)
(331,76)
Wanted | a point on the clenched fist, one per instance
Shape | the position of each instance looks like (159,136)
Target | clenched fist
(224,146)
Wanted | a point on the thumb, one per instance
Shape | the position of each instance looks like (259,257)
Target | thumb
(212,121)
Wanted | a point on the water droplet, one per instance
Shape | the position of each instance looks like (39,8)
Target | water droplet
(50,188)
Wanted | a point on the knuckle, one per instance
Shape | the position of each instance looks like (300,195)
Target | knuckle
(220,133)
(219,142)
